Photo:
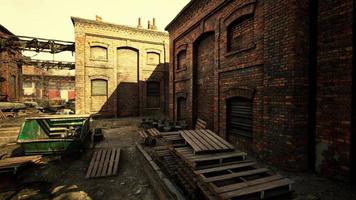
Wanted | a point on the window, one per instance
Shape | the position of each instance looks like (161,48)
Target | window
(239,116)
(240,33)
(27,84)
(153,88)
(181,60)
(153,58)
(99,87)
(98,53)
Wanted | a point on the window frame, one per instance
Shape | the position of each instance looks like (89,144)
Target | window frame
(91,87)
(98,46)
(228,117)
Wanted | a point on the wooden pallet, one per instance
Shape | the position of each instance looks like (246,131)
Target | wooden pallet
(199,161)
(104,163)
(14,163)
(201,124)
(244,180)
(154,132)
(2,115)
(204,141)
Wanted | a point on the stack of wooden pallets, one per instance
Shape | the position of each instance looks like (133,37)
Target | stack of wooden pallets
(210,168)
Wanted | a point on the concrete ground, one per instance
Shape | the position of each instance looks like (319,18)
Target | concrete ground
(63,178)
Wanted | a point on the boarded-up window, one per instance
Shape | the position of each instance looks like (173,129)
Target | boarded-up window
(153,58)
(98,52)
(153,88)
(182,60)
(240,33)
(239,116)
(99,87)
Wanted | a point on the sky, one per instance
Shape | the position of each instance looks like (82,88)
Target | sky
(50,19)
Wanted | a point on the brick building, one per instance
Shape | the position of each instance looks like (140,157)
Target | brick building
(50,84)
(10,70)
(273,77)
(120,70)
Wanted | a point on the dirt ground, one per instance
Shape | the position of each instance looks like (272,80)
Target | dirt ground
(63,178)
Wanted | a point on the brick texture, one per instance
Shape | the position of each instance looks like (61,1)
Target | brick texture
(261,52)
(128,57)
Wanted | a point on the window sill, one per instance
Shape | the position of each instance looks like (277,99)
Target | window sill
(230,53)
(101,60)
(180,70)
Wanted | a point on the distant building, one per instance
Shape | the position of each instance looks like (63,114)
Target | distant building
(120,70)
(52,84)
(274,77)
(10,70)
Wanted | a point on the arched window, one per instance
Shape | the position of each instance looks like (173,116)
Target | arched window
(239,116)
(99,87)
(98,53)
(181,60)
(240,33)
(153,58)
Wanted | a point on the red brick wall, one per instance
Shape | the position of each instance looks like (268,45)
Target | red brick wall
(8,68)
(271,67)
(204,75)
(334,96)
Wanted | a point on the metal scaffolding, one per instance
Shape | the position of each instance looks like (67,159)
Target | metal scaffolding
(25,43)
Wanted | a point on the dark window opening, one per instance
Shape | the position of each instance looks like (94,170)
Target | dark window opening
(153,88)
(239,116)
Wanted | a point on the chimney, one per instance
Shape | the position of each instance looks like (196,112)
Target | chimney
(149,25)
(139,23)
(98,18)
(154,27)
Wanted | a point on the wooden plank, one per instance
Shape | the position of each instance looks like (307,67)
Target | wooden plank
(211,142)
(198,137)
(219,156)
(106,163)
(235,175)
(101,162)
(96,163)
(191,142)
(257,188)
(222,168)
(196,140)
(111,164)
(220,139)
(254,182)
(91,166)
(116,163)
(216,141)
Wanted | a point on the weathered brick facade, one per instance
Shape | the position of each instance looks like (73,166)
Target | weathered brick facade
(10,71)
(40,84)
(261,51)
(127,59)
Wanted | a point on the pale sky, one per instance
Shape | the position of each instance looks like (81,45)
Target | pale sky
(51,18)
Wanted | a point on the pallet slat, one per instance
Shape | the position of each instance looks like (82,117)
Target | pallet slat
(104,163)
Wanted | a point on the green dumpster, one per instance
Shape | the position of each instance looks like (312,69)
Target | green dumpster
(53,134)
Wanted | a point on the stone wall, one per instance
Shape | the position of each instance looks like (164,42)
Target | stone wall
(133,57)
